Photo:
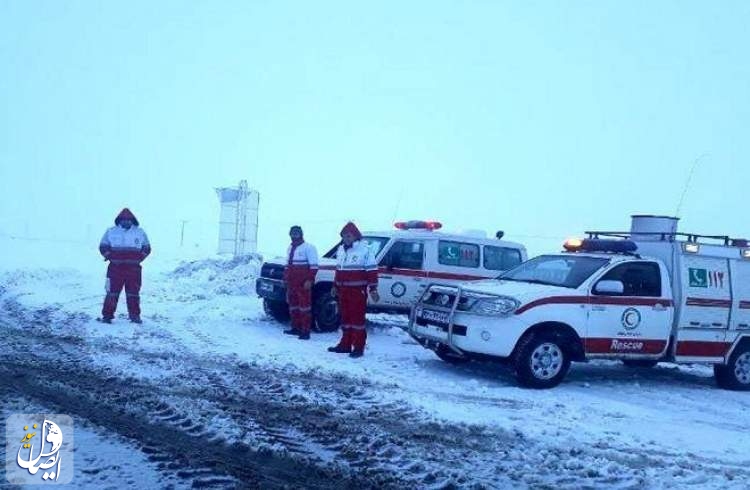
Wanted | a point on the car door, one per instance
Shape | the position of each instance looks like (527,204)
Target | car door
(402,275)
(708,290)
(637,321)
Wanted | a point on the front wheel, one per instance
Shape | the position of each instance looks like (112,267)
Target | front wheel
(326,312)
(735,375)
(542,361)
(278,310)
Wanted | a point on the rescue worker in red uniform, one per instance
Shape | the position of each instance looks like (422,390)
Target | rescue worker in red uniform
(125,245)
(356,274)
(299,275)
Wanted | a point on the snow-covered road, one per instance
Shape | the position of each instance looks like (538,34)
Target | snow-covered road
(208,392)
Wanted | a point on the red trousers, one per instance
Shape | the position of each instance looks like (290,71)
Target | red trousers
(119,276)
(352,307)
(300,304)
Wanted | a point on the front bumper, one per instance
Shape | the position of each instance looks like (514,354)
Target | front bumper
(270,289)
(464,332)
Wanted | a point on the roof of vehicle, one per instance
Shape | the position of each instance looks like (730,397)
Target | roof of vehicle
(439,235)
(613,257)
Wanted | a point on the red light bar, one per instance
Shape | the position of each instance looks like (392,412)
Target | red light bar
(418,225)
(597,245)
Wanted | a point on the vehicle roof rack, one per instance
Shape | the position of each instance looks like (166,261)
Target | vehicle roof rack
(667,237)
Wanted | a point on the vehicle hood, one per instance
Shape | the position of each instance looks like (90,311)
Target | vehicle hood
(524,292)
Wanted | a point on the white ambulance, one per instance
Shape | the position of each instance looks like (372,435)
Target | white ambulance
(644,296)
(410,257)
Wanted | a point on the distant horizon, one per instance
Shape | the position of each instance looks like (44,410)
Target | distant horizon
(540,119)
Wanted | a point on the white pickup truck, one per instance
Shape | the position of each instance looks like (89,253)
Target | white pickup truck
(643,296)
(410,257)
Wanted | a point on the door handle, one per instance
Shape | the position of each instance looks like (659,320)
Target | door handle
(660,307)
(385,277)
(599,308)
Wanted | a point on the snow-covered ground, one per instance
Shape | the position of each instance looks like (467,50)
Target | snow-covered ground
(208,368)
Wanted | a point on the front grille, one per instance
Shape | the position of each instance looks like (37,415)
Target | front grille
(272,271)
(445,300)
(457,329)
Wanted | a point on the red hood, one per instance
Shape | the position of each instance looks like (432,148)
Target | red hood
(126,214)
(352,228)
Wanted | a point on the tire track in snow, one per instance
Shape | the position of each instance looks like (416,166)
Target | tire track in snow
(294,415)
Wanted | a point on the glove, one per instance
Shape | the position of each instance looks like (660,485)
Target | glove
(307,285)
(334,293)
(374,295)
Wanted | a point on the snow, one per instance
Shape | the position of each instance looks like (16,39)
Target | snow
(666,427)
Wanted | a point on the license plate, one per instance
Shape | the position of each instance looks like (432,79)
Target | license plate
(434,316)
(266,286)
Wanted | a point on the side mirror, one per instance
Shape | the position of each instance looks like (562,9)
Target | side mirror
(609,287)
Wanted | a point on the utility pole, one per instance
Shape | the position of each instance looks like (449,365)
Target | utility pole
(182,233)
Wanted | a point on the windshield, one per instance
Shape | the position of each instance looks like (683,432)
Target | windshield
(376,244)
(569,271)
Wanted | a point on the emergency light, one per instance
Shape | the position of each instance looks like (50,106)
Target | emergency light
(418,225)
(572,244)
(692,248)
(599,245)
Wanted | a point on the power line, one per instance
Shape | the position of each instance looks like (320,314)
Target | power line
(39,239)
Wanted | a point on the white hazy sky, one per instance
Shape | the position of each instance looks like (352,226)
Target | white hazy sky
(539,118)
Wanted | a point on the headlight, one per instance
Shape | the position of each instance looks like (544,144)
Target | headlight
(495,306)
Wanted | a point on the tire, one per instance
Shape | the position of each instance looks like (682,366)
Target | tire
(447,355)
(278,310)
(735,375)
(639,363)
(542,361)
(326,312)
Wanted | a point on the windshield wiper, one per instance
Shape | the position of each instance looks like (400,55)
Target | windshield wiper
(539,281)
(531,281)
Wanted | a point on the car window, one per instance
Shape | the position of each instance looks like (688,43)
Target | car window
(568,270)
(638,278)
(405,255)
(376,244)
(501,258)
(458,254)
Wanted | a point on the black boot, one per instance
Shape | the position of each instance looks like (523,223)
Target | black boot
(105,320)
(304,336)
(292,331)
(339,349)
(357,353)
(136,319)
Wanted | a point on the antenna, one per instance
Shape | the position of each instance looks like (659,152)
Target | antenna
(687,183)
